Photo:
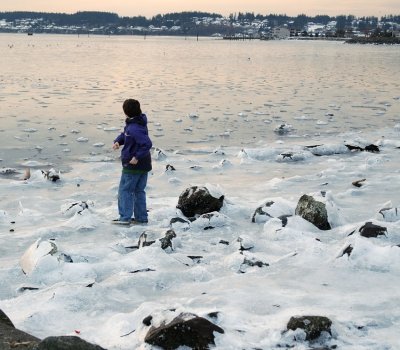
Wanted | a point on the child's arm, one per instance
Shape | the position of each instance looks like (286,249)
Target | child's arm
(120,140)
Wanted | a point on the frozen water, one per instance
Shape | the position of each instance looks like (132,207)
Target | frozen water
(256,275)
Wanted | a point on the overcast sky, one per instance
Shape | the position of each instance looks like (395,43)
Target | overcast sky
(149,8)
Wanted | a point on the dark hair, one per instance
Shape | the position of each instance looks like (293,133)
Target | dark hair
(131,108)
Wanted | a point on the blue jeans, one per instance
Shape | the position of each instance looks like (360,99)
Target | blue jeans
(132,197)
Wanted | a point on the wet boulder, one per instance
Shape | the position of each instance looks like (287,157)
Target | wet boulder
(313,326)
(195,201)
(313,211)
(370,230)
(184,330)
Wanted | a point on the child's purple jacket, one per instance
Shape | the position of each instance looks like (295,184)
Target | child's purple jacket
(137,143)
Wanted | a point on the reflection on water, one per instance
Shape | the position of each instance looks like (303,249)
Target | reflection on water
(197,94)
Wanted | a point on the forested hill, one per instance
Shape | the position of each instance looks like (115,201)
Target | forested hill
(183,23)
(106,18)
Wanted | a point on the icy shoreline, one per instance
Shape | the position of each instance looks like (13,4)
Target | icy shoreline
(306,271)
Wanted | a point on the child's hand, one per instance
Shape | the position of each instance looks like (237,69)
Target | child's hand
(115,146)
(133,161)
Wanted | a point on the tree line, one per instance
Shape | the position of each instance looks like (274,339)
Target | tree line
(185,20)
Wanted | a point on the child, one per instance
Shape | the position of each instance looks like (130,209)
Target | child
(136,163)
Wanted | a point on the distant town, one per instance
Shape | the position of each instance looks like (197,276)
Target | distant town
(235,27)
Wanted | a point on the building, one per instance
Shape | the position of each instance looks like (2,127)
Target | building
(280,33)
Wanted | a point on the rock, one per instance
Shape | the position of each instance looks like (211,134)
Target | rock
(143,242)
(284,219)
(313,326)
(178,223)
(67,343)
(167,240)
(354,148)
(390,214)
(347,250)
(253,262)
(369,230)
(260,214)
(292,157)
(51,175)
(372,148)
(13,338)
(369,148)
(313,211)
(197,201)
(5,320)
(65,258)
(8,171)
(283,129)
(147,320)
(271,209)
(245,243)
(358,183)
(184,330)
(159,154)
(147,239)
(210,220)
(76,207)
(169,167)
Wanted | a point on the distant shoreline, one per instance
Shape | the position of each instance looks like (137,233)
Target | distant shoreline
(358,40)
(375,40)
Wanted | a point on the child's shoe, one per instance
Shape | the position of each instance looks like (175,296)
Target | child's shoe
(121,222)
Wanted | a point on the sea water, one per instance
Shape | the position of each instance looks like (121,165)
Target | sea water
(61,95)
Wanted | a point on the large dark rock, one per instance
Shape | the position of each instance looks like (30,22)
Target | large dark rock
(67,343)
(13,338)
(369,230)
(184,330)
(313,326)
(313,211)
(197,201)
(5,320)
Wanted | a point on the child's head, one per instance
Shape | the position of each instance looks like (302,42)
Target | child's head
(131,108)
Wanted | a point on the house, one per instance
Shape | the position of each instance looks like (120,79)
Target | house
(280,33)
